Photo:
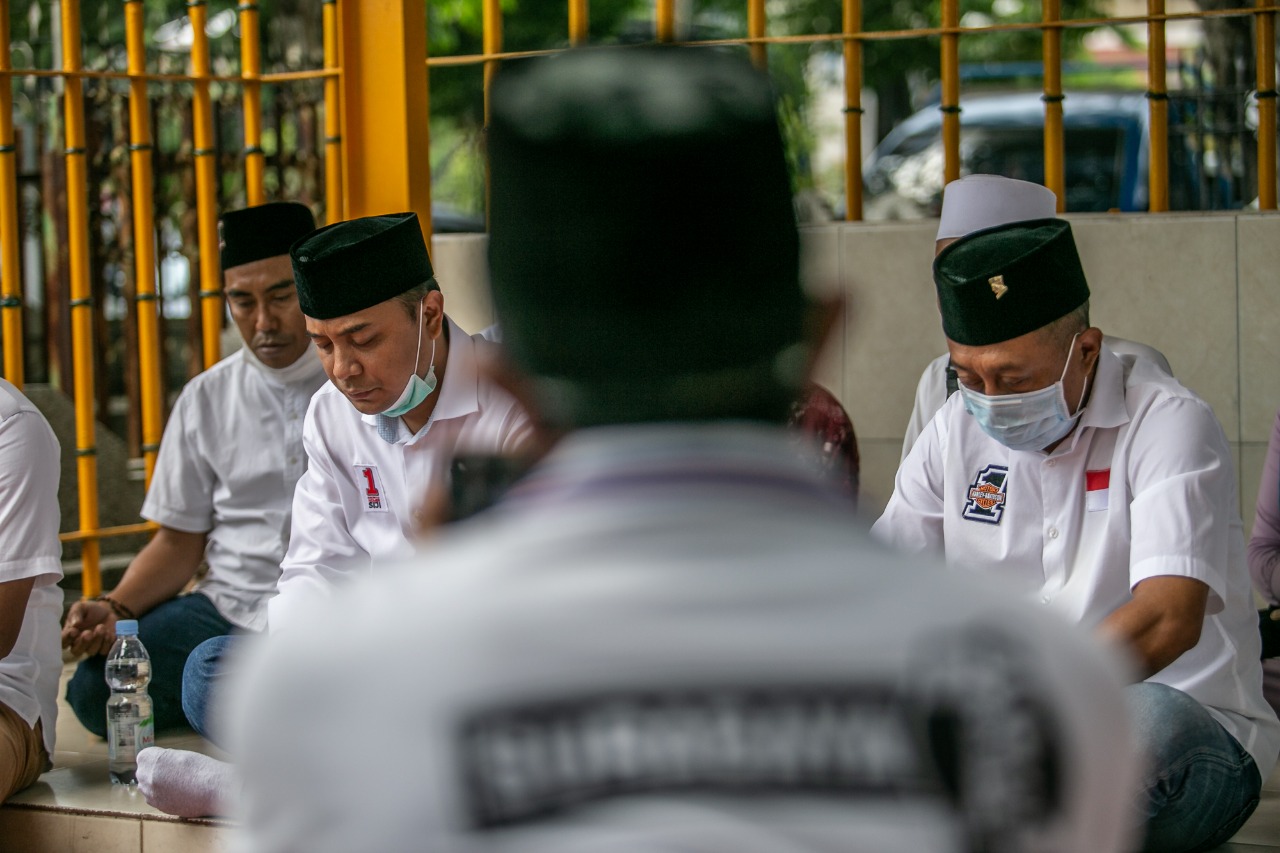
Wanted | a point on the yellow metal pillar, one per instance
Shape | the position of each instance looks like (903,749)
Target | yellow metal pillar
(491,22)
(206,186)
(1158,95)
(665,13)
(333,211)
(852,110)
(251,70)
(81,294)
(10,274)
(1055,168)
(950,105)
(385,108)
(144,236)
(756,30)
(578,22)
(1266,37)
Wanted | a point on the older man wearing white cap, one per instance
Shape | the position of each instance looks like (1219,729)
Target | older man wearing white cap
(971,204)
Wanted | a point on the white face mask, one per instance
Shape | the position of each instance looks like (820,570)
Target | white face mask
(416,389)
(1029,421)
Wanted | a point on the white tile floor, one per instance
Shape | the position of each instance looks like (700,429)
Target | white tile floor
(75,809)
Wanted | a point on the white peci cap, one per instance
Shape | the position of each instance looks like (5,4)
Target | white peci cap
(984,201)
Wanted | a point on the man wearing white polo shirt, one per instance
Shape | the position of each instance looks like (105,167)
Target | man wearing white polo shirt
(1104,489)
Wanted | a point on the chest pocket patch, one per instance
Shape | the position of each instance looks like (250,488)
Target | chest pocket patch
(987,495)
(373,497)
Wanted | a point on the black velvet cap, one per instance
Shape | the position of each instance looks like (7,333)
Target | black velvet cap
(1000,283)
(350,266)
(641,221)
(265,231)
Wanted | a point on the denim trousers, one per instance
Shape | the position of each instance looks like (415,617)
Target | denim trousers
(1200,785)
(169,631)
(202,682)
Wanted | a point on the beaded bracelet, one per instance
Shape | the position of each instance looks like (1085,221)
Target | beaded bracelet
(117,608)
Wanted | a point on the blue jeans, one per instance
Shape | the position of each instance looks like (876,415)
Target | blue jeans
(202,683)
(169,631)
(1200,785)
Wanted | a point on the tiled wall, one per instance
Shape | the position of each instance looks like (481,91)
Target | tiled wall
(1202,288)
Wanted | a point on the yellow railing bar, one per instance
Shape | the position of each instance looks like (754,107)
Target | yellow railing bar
(579,19)
(756,29)
(206,186)
(251,69)
(950,106)
(665,15)
(492,41)
(81,294)
(141,144)
(852,25)
(84,74)
(1266,40)
(333,211)
(884,35)
(1055,169)
(108,532)
(1158,95)
(10,273)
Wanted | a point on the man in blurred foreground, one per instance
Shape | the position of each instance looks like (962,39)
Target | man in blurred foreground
(669,634)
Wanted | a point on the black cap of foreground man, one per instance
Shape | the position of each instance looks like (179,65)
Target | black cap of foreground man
(643,245)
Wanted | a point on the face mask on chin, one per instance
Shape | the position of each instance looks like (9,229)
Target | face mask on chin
(1029,421)
(417,388)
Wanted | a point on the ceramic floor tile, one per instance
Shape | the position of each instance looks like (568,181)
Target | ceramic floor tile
(27,830)
(184,837)
(1264,826)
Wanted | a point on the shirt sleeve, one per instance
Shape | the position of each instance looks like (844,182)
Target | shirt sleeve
(1180,477)
(927,402)
(182,487)
(912,521)
(29,514)
(1264,544)
(322,552)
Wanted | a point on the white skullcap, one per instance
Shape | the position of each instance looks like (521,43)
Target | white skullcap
(984,201)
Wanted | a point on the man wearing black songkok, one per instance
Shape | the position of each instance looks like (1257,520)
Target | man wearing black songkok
(1099,485)
(223,483)
(670,634)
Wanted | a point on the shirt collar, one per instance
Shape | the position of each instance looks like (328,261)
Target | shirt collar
(459,389)
(306,370)
(1106,407)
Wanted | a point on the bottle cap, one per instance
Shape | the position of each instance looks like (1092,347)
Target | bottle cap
(127,628)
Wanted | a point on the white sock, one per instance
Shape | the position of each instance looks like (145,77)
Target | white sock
(186,784)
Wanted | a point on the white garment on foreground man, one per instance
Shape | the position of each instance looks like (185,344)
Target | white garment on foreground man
(670,634)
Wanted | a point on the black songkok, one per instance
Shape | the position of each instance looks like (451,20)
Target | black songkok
(641,222)
(350,266)
(1001,283)
(266,231)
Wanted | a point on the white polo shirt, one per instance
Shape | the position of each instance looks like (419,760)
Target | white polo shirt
(29,548)
(356,501)
(1143,487)
(230,458)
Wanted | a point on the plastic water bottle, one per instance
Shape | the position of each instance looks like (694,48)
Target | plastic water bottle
(130,722)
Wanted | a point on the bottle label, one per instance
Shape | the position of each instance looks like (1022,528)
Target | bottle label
(126,740)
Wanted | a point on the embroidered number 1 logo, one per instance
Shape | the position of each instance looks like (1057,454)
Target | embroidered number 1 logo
(987,495)
(372,495)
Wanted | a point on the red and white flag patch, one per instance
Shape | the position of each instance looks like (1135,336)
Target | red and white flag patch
(1097,486)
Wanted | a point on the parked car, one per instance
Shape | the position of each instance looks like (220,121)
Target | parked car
(1106,151)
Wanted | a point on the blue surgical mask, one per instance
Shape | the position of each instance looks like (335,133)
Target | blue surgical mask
(1029,421)
(417,388)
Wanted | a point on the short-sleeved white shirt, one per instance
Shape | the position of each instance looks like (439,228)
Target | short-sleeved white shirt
(230,458)
(29,548)
(1143,487)
(356,501)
